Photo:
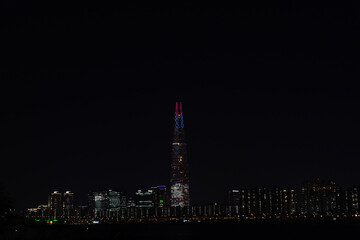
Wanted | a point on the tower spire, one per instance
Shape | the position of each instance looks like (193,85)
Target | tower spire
(176,109)
(176,115)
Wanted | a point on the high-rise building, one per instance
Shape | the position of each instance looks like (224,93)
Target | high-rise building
(117,200)
(276,201)
(352,200)
(61,205)
(144,198)
(68,204)
(107,201)
(234,197)
(161,197)
(261,197)
(288,201)
(55,204)
(101,201)
(245,202)
(234,202)
(320,197)
(91,204)
(179,180)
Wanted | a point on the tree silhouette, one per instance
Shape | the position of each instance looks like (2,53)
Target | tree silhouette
(5,202)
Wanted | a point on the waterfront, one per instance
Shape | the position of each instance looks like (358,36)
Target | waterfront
(253,230)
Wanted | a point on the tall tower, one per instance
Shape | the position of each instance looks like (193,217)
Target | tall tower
(55,204)
(179,179)
(68,203)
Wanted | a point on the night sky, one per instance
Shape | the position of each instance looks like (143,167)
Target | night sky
(88,95)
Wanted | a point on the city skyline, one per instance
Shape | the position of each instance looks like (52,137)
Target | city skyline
(121,120)
(317,199)
(88,97)
(216,199)
(178,195)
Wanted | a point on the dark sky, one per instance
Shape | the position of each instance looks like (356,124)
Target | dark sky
(88,93)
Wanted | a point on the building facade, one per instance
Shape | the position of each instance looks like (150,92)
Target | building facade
(351,200)
(321,197)
(262,202)
(106,203)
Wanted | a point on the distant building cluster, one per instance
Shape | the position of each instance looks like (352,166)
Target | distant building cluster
(60,205)
(261,201)
(105,204)
(326,197)
(116,204)
(316,198)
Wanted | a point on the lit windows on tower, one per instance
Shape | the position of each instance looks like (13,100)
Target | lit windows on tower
(179,180)
(68,204)
(55,204)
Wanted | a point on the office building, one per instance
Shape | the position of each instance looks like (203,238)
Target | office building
(320,197)
(161,197)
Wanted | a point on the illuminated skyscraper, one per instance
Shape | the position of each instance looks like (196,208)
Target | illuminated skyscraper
(179,179)
(102,203)
(55,204)
(68,203)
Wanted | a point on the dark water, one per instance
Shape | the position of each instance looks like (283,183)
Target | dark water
(320,230)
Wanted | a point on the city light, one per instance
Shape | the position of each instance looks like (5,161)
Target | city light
(316,199)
